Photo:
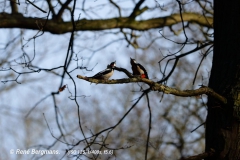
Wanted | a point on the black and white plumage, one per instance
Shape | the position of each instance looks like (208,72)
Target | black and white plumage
(105,74)
(138,69)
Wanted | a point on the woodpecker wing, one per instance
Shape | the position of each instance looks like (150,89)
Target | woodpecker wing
(144,71)
(103,74)
(107,73)
(135,70)
(134,67)
(138,69)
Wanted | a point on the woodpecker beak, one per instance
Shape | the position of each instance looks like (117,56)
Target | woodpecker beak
(132,60)
(113,64)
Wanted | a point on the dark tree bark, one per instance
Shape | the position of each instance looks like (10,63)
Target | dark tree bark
(223,121)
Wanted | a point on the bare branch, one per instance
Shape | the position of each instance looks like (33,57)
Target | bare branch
(176,58)
(200,156)
(64,6)
(36,6)
(160,87)
(15,21)
(136,9)
(14,6)
(149,126)
(119,9)
(51,8)
(125,71)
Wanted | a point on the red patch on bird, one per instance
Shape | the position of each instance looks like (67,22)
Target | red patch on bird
(143,76)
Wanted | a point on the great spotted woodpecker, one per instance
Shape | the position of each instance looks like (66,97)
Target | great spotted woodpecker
(138,69)
(105,74)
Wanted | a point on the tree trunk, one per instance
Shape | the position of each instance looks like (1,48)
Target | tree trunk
(223,121)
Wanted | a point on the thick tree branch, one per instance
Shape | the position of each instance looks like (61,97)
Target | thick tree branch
(160,87)
(16,21)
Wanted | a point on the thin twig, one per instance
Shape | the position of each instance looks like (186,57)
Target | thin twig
(149,126)
(36,6)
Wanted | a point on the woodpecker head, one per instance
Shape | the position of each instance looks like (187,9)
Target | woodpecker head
(112,65)
(133,61)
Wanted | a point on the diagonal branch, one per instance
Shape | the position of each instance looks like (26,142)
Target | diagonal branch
(125,71)
(36,6)
(136,9)
(64,6)
(119,9)
(160,87)
(51,8)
